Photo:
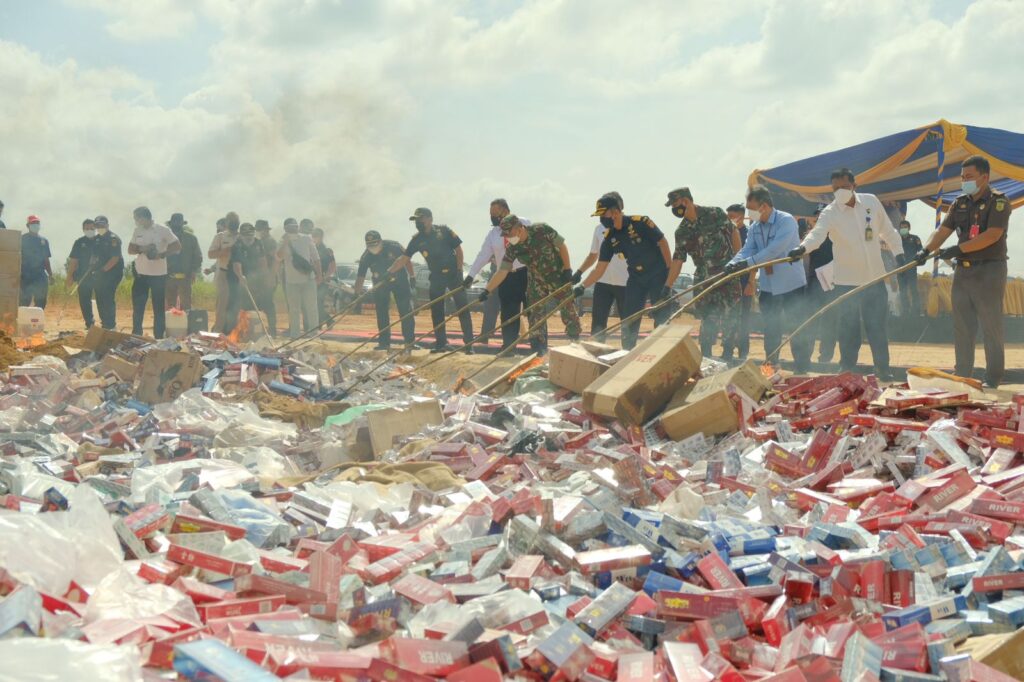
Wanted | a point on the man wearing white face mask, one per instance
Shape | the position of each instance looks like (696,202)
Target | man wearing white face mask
(783,303)
(82,266)
(857,223)
(35,266)
(512,293)
(378,257)
(980,218)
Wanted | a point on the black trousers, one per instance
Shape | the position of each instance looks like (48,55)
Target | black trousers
(740,339)
(785,312)
(828,323)
(106,294)
(601,307)
(910,297)
(640,288)
(86,290)
(872,307)
(978,301)
(440,282)
(382,304)
(33,292)
(512,295)
(143,288)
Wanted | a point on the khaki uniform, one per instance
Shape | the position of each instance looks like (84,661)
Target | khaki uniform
(979,282)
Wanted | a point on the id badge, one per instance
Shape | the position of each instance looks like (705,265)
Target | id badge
(975,231)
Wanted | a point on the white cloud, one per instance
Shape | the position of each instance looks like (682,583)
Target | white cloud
(356,112)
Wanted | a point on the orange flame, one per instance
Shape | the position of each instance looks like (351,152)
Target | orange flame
(36,339)
(241,330)
(767,370)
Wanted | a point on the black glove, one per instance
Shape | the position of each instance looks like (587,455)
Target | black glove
(578,290)
(950,252)
(921,257)
(901,260)
(666,293)
(484,295)
(735,267)
(467,283)
(577,277)
(797,253)
(566,276)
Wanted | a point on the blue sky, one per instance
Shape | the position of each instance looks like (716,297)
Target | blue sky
(355,112)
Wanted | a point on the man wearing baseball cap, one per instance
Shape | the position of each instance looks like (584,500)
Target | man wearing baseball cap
(110,261)
(36,274)
(442,249)
(637,239)
(380,255)
(182,267)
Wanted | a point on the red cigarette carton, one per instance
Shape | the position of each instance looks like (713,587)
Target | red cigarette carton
(293,594)
(206,561)
(240,607)
(420,590)
(426,656)
(717,572)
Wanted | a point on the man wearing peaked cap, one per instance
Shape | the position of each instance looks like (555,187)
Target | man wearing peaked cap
(706,235)
(442,249)
(381,254)
(645,249)
(543,251)
(110,260)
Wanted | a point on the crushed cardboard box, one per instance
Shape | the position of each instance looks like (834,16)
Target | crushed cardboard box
(393,422)
(574,367)
(639,385)
(705,406)
(165,375)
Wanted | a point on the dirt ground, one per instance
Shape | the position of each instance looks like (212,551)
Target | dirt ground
(902,355)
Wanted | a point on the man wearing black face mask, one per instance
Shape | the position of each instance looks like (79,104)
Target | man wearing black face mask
(442,249)
(512,291)
(380,254)
(710,238)
(647,256)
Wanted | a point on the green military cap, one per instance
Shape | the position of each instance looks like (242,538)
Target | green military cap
(681,193)
(421,213)
(247,228)
(372,237)
(509,222)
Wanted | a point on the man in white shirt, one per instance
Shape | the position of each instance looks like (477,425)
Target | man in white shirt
(151,243)
(512,291)
(857,224)
(611,288)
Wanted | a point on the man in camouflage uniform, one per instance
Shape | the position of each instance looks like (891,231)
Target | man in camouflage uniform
(710,238)
(542,250)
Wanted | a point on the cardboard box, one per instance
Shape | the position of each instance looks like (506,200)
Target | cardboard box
(100,340)
(10,262)
(119,367)
(392,422)
(639,385)
(165,375)
(10,240)
(705,406)
(1002,652)
(574,367)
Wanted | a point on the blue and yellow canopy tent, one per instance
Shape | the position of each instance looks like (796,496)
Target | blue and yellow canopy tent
(922,163)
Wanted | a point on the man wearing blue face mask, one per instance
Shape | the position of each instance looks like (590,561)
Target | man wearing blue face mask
(856,223)
(980,218)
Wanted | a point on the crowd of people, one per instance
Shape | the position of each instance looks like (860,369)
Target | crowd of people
(848,245)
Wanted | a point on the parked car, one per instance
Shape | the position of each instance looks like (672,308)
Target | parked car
(422,293)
